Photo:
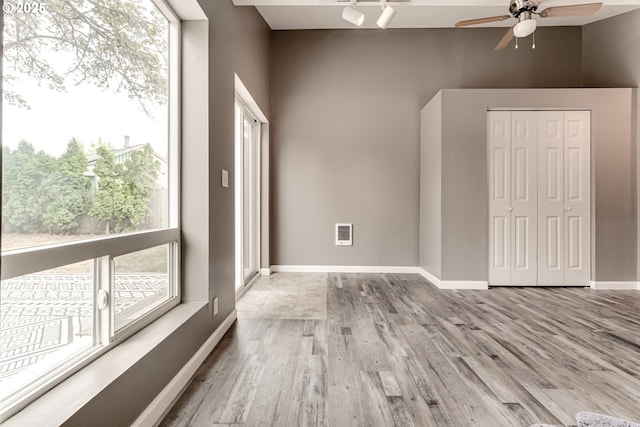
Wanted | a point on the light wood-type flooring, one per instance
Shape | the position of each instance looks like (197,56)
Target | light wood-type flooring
(393,350)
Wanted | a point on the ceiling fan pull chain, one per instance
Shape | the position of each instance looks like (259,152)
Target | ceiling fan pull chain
(517,42)
(534,41)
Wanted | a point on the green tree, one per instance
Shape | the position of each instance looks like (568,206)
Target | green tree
(24,173)
(138,183)
(122,199)
(117,44)
(67,195)
(108,200)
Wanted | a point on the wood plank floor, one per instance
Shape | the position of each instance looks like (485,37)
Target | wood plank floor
(393,350)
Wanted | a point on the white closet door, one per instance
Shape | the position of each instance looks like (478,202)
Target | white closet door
(524,196)
(551,254)
(577,197)
(499,142)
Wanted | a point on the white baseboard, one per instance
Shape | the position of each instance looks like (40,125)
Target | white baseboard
(265,272)
(342,269)
(158,409)
(453,284)
(441,284)
(615,286)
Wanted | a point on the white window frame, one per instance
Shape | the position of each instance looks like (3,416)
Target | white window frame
(102,250)
(242,282)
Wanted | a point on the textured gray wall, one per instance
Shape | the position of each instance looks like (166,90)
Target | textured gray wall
(611,58)
(464,176)
(346,128)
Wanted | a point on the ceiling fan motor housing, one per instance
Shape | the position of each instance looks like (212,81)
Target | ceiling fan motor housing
(518,7)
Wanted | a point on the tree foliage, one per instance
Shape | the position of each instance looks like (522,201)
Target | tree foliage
(23,174)
(41,193)
(138,184)
(122,199)
(117,44)
(108,198)
(67,195)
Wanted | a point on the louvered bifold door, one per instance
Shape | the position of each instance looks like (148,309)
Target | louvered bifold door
(551,257)
(499,159)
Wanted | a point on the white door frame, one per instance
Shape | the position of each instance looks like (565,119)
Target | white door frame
(244,98)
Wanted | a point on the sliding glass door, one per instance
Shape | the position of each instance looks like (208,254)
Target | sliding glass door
(247,195)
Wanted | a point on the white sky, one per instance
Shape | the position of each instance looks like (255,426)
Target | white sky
(84,112)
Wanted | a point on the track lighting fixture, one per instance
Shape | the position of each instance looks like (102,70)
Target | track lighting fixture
(352,15)
(387,14)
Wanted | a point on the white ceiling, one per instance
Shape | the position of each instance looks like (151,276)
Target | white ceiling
(326,14)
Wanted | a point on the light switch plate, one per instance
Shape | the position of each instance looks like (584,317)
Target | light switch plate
(225,178)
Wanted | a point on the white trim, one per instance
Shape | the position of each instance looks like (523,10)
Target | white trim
(264,195)
(243,290)
(247,106)
(453,284)
(341,269)
(464,284)
(265,272)
(245,96)
(19,262)
(615,286)
(164,401)
(187,10)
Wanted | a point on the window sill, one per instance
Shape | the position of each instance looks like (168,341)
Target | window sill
(64,400)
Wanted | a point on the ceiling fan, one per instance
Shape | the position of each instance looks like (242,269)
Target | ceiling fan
(524,10)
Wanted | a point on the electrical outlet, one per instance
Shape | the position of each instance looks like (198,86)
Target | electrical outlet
(215,306)
(225,178)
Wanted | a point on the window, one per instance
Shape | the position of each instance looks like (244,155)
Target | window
(90,227)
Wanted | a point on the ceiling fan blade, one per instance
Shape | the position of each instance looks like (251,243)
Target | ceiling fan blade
(482,20)
(504,41)
(574,10)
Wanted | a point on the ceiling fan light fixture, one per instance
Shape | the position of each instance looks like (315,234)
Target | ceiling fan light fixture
(353,16)
(525,28)
(387,15)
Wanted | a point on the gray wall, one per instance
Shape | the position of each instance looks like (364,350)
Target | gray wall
(464,225)
(611,58)
(239,43)
(610,54)
(431,186)
(346,128)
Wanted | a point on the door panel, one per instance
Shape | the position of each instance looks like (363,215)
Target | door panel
(521,243)
(553,250)
(550,198)
(500,238)
(574,243)
(500,174)
(577,201)
(524,197)
(499,153)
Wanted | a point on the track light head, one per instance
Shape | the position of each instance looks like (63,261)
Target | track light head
(387,14)
(353,16)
